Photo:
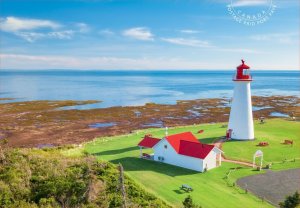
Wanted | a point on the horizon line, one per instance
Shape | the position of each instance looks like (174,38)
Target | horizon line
(182,69)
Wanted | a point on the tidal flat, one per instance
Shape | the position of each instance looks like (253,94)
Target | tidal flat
(38,123)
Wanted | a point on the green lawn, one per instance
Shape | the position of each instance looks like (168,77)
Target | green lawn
(274,132)
(210,189)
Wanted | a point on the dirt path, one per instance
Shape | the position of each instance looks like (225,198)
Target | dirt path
(238,162)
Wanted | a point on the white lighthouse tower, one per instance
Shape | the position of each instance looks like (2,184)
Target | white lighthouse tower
(240,125)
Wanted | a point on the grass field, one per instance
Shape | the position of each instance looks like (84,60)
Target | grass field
(274,132)
(211,189)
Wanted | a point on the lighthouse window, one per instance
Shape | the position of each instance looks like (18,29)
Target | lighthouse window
(166,146)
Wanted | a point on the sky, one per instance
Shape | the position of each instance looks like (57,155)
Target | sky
(149,34)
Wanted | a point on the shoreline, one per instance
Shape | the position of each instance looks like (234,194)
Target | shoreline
(38,123)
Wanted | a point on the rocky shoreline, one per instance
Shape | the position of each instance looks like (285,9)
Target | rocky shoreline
(45,123)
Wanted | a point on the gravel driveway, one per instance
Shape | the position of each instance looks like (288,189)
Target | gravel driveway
(273,186)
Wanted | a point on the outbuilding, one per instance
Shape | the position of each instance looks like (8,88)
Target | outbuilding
(183,150)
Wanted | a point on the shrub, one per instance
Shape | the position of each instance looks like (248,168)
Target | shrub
(291,201)
(188,203)
(47,179)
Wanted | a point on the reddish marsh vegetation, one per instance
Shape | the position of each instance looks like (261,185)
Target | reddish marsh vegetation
(39,123)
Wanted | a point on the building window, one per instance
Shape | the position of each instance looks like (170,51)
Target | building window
(166,146)
(160,158)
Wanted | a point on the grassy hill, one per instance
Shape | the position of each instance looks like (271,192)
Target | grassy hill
(32,178)
(213,188)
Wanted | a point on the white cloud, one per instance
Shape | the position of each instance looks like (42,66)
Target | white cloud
(139,33)
(188,42)
(65,34)
(285,38)
(83,28)
(33,36)
(19,61)
(28,29)
(30,36)
(239,50)
(187,31)
(205,44)
(40,62)
(14,24)
(106,32)
(245,3)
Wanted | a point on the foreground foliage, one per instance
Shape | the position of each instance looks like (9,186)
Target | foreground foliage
(45,178)
(188,203)
(291,201)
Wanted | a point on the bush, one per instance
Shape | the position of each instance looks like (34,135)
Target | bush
(47,179)
(116,201)
(188,203)
(5,195)
(291,201)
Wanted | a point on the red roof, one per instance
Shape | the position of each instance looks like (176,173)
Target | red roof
(194,149)
(175,139)
(148,142)
(243,65)
(240,73)
(184,143)
(187,144)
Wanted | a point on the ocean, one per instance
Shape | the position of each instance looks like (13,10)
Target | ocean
(128,88)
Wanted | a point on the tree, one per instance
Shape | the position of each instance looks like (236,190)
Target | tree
(291,201)
(188,203)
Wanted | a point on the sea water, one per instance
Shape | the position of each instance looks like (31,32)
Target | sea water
(124,88)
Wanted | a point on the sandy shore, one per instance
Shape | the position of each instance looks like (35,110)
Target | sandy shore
(40,123)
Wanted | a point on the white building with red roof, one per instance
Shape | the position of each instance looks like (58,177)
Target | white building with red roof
(183,150)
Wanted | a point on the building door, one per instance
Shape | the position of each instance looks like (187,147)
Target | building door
(228,133)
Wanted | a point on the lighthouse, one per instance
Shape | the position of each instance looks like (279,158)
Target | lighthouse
(240,125)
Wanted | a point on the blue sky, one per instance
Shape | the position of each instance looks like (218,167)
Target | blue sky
(146,34)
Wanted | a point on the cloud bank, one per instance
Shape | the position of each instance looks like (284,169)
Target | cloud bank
(32,30)
(14,24)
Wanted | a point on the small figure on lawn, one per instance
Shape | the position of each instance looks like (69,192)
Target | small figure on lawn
(263,144)
(262,120)
(287,141)
(293,116)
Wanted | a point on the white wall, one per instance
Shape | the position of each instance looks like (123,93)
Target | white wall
(171,157)
(211,159)
(241,118)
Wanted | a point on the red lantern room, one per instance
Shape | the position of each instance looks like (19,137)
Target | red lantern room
(242,73)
